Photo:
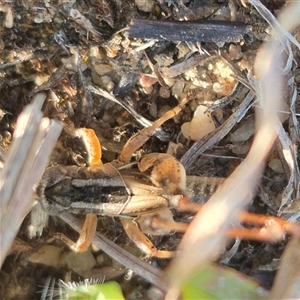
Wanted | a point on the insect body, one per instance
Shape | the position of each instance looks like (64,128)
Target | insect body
(142,203)
(101,189)
(83,191)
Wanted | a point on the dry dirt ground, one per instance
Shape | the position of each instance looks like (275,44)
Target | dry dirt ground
(61,47)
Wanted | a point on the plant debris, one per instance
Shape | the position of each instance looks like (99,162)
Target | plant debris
(205,31)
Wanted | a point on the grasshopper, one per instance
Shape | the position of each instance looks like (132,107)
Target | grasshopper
(141,202)
(107,190)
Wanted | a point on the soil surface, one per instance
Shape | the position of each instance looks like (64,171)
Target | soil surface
(64,47)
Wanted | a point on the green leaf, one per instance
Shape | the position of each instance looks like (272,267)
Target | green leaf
(216,282)
(105,291)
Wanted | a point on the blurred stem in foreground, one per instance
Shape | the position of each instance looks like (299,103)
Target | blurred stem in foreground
(201,241)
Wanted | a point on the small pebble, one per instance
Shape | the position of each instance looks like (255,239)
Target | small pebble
(201,124)
(275,165)
(244,132)
(178,87)
(164,92)
(145,5)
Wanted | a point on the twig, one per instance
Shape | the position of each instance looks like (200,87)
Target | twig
(159,133)
(188,31)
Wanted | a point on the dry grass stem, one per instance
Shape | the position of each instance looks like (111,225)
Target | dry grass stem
(33,142)
(190,157)
(286,285)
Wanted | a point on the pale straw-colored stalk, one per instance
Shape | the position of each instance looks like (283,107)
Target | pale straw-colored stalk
(203,241)
(33,141)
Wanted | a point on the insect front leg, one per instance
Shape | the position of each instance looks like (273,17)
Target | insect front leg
(90,224)
(142,136)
